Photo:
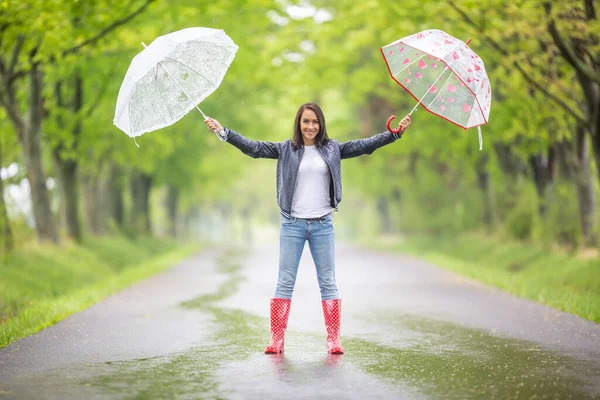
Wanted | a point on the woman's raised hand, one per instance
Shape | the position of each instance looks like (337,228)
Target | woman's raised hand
(404,124)
(213,125)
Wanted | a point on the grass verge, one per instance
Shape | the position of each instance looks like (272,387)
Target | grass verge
(41,285)
(556,278)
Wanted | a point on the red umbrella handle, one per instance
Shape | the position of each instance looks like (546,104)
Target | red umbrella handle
(390,119)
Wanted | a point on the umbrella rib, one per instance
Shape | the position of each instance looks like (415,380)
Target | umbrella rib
(182,89)
(439,92)
(422,98)
(187,66)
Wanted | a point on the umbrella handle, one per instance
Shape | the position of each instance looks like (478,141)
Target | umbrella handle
(389,121)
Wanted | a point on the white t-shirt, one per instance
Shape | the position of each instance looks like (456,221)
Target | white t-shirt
(311,197)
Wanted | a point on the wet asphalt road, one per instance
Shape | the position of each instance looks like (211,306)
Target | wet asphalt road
(410,330)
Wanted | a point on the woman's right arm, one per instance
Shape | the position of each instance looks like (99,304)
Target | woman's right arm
(252,148)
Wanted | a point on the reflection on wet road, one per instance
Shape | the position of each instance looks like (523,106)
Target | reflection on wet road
(399,355)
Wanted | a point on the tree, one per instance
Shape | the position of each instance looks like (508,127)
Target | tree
(31,39)
(5,158)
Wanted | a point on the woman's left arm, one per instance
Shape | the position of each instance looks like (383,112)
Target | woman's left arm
(359,147)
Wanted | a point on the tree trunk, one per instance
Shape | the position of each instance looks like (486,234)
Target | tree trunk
(582,53)
(374,116)
(102,199)
(96,195)
(141,184)
(116,208)
(594,111)
(90,194)
(67,166)
(383,207)
(29,134)
(413,160)
(511,165)
(484,183)
(596,146)
(512,169)
(172,209)
(67,174)
(542,167)
(565,161)
(585,189)
(9,241)
(32,152)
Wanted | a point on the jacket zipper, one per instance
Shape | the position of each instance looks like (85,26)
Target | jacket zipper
(296,180)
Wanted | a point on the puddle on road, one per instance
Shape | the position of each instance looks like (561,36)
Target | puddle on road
(184,375)
(422,359)
(453,361)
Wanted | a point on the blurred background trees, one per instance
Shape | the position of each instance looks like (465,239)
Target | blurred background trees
(68,172)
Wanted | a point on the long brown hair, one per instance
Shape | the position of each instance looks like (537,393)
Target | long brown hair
(321,139)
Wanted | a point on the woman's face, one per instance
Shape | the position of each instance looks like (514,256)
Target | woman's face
(309,126)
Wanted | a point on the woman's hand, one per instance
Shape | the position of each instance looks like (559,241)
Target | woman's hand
(404,124)
(213,125)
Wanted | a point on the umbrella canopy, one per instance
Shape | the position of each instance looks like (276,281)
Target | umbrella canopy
(170,77)
(443,74)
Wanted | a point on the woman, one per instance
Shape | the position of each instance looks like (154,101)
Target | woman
(309,186)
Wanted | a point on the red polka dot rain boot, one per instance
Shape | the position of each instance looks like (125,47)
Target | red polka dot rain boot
(332,310)
(280,310)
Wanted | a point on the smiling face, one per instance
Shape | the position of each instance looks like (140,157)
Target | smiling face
(309,126)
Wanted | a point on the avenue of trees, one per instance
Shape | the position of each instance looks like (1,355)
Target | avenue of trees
(62,63)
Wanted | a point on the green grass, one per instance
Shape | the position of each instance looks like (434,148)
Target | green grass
(41,285)
(556,278)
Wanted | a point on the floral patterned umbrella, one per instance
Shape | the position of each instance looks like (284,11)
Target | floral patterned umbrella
(444,75)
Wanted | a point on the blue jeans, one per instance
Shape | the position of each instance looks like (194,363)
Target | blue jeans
(294,233)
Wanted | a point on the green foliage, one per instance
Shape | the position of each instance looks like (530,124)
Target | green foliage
(434,202)
(522,219)
(8,141)
(330,54)
(561,224)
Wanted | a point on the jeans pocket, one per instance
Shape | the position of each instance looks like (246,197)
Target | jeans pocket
(327,222)
(287,221)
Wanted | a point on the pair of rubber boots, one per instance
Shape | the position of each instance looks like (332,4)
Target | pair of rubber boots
(280,311)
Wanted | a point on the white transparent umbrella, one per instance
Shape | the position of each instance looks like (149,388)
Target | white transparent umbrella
(170,77)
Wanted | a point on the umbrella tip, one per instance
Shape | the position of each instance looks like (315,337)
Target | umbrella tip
(468,41)
(144,44)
